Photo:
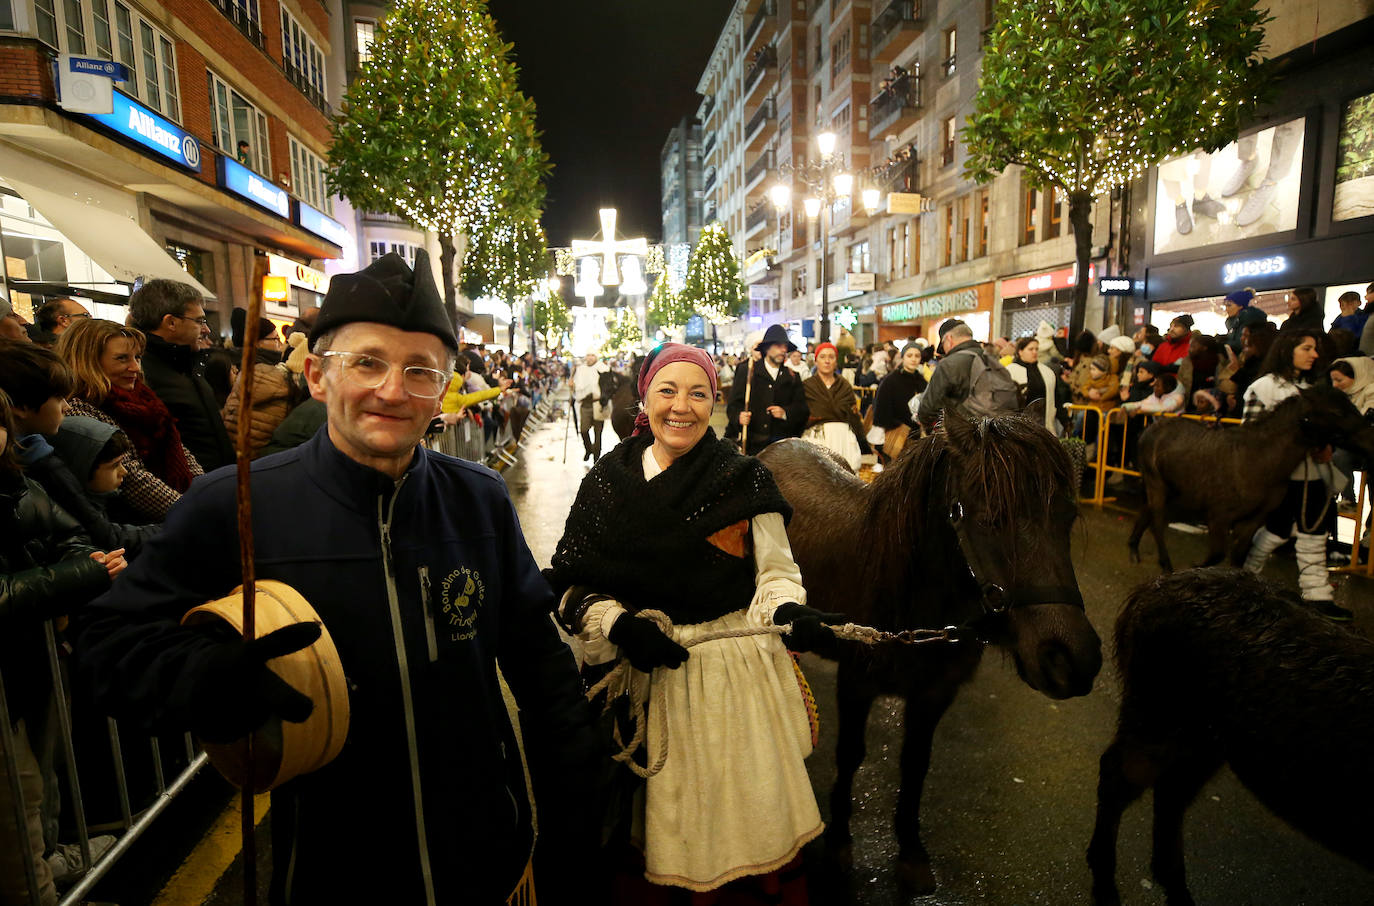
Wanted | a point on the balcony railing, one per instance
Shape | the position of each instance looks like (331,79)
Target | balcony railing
(709,144)
(710,182)
(766,9)
(758,168)
(313,94)
(709,109)
(761,215)
(237,13)
(767,110)
(708,211)
(903,92)
(899,174)
(897,14)
(766,57)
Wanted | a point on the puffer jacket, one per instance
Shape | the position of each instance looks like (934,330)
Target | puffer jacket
(273,397)
(45,570)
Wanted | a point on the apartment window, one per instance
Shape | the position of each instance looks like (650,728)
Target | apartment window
(949,133)
(237,121)
(982,209)
(948,257)
(405,250)
(1029,218)
(799,282)
(912,241)
(839,122)
(897,238)
(307,177)
(1053,222)
(84,26)
(860,261)
(951,46)
(839,55)
(300,55)
(962,218)
(364,32)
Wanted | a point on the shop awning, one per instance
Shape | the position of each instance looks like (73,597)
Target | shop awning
(101,220)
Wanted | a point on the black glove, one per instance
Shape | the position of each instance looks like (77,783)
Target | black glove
(808,633)
(236,692)
(645,644)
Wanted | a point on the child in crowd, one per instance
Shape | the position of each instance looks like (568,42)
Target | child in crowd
(1166,397)
(85,474)
(47,568)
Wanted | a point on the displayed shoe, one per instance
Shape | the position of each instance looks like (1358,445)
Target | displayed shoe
(1207,206)
(1333,611)
(67,864)
(1256,204)
(1239,178)
(1183,221)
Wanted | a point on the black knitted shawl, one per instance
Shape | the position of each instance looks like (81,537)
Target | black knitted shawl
(645,544)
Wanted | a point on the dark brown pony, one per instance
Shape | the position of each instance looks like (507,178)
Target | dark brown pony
(969,527)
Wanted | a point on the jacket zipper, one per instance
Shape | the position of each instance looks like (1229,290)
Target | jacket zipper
(384,517)
(428,607)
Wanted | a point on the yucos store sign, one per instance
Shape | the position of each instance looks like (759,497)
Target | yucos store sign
(301,275)
(1064,278)
(1232,271)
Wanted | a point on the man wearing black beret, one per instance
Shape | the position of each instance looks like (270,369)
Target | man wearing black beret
(416,564)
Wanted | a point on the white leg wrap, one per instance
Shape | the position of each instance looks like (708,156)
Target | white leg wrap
(1262,545)
(1312,577)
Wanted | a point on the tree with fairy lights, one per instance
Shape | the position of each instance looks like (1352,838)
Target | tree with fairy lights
(625,333)
(665,309)
(435,130)
(1086,96)
(713,288)
(549,313)
(505,261)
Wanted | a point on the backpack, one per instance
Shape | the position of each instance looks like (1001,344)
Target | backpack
(991,389)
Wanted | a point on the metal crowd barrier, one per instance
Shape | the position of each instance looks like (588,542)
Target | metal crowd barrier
(132,823)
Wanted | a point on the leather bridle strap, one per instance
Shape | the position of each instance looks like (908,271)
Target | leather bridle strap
(996,599)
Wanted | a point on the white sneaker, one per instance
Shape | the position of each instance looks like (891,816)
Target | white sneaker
(67,864)
(1256,205)
(1239,177)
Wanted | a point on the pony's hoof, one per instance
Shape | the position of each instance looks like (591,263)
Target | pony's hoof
(915,878)
(1135,554)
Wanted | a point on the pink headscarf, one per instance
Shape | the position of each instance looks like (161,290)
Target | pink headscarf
(667,354)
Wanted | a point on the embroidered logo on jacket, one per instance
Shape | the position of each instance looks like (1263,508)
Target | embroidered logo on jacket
(462,593)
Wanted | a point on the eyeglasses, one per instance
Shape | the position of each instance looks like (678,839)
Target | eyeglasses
(202,320)
(76,314)
(370,372)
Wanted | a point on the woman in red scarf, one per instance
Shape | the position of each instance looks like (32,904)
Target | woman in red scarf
(105,358)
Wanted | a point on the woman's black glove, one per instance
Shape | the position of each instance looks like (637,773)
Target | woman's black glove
(645,644)
(808,632)
(236,692)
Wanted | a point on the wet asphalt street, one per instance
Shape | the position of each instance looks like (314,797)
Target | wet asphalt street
(1010,798)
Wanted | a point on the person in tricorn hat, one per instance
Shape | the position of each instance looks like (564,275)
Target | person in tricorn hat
(417,566)
(777,403)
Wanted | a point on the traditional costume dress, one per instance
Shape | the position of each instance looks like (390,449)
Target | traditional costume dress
(834,416)
(705,542)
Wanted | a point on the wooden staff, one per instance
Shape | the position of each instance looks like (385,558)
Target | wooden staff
(243,446)
(748,385)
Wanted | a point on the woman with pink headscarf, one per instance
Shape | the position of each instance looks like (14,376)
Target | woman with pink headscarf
(676,520)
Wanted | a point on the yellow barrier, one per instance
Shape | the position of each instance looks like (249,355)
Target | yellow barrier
(1099,439)
(1361,536)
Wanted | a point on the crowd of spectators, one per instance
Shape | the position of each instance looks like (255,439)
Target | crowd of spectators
(103,427)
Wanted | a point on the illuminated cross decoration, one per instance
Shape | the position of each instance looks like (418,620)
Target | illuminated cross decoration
(607,248)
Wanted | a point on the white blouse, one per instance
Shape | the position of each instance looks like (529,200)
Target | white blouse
(777,580)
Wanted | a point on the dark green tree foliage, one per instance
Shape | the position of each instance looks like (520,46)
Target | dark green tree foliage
(551,317)
(665,309)
(713,288)
(505,261)
(1087,94)
(622,325)
(435,130)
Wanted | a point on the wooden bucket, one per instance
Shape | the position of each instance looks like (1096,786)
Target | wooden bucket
(282,749)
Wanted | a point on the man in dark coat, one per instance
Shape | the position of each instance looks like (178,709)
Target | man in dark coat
(459,685)
(172,315)
(777,402)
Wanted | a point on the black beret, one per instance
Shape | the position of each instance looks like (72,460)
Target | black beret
(387,291)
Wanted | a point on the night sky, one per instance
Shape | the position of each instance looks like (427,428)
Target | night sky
(609,78)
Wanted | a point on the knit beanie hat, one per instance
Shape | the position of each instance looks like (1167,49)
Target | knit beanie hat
(78,442)
(1241,297)
(1108,333)
(1125,344)
(1101,363)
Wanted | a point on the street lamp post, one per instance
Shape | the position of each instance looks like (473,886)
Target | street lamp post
(828,181)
